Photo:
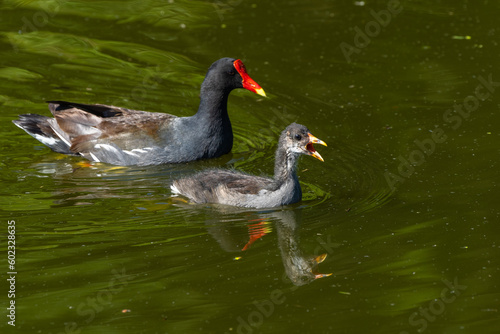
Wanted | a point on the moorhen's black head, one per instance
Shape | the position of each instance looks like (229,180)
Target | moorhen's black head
(231,73)
(297,138)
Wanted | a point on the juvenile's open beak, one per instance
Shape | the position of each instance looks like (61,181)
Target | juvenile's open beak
(310,146)
(247,82)
(318,260)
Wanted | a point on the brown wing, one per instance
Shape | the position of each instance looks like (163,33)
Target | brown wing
(82,123)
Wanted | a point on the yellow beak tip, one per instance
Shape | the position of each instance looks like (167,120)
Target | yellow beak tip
(261,92)
(318,156)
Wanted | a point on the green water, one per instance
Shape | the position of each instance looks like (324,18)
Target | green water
(405,206)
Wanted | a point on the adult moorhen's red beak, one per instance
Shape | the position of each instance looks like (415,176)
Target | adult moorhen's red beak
(310,146)
(247,82)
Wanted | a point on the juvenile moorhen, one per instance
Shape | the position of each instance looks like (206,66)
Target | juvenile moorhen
(239,189)
(120,136)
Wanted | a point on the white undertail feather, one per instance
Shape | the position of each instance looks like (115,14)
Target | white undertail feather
(63,136)
(174,189)
(49,141)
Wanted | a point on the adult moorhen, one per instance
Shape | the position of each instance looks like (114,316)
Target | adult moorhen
(239,189)
(120,136)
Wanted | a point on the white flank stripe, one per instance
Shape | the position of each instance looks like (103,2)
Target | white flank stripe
(130,153)
(107,148)
(94,157)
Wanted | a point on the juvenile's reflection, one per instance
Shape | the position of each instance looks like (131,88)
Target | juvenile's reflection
(300,269)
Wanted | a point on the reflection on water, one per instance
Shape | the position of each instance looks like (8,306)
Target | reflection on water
(299,268)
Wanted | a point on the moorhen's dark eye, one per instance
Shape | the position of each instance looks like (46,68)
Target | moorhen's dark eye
(230,72)
(298,137)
